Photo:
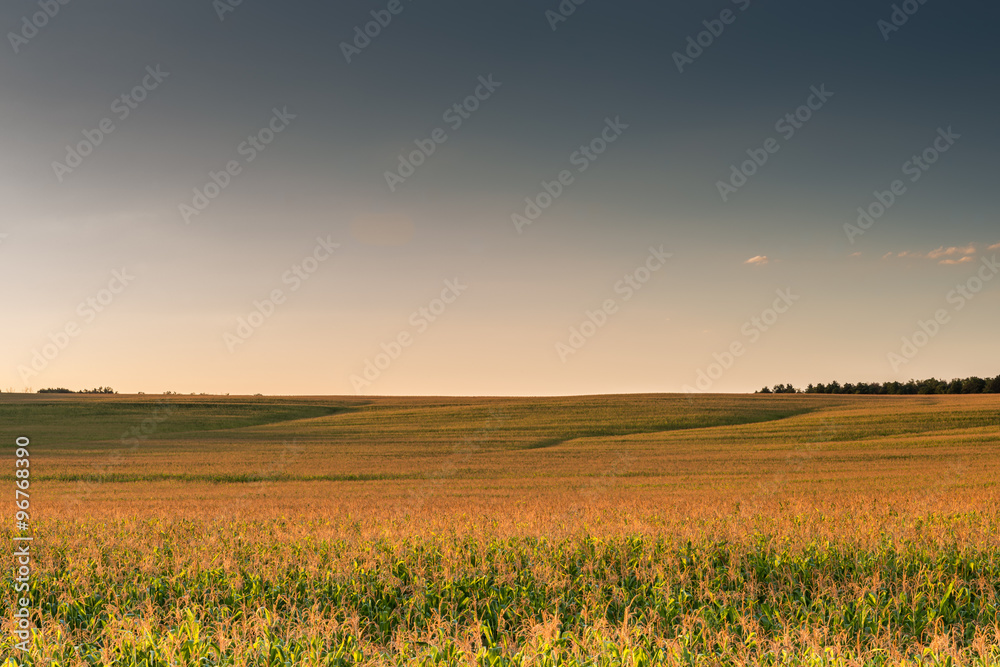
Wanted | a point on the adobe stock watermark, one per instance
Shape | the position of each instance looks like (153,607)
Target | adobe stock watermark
(364,34)
(223,7)
(900,14)
(627,287)
(31,24)
(131,439)
(420,320)
(599,485)
(714,28)
(462,453)
(943,486)
(915,167)
(23,538)
(122,107)
(294,277)
(562,12)
(249,149)
(797,461)
(752,330)
(265,476)
(455,116)
(786,126)
(581,158)
(957,298)
(87,310)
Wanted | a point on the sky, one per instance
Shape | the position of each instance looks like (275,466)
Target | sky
(518,198)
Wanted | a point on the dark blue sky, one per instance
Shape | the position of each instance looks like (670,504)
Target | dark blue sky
(658,183)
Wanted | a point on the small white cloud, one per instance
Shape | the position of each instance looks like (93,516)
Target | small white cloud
(949,255)
(856,254)
(952,251)
(995,246)
(759,259)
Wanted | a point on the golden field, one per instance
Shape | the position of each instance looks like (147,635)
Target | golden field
(606,530)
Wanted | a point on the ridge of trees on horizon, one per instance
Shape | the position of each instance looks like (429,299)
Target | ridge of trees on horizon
(63,390)
(970,385)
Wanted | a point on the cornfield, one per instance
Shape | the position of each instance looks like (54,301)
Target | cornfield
(806,538)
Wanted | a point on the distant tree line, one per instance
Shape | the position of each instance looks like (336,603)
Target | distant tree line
(63,390)
(971,385)
(780,389)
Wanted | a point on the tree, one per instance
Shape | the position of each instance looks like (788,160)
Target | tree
(930,386)
(970,385)
(973,385)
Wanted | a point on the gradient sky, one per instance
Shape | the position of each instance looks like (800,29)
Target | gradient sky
(656,185)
